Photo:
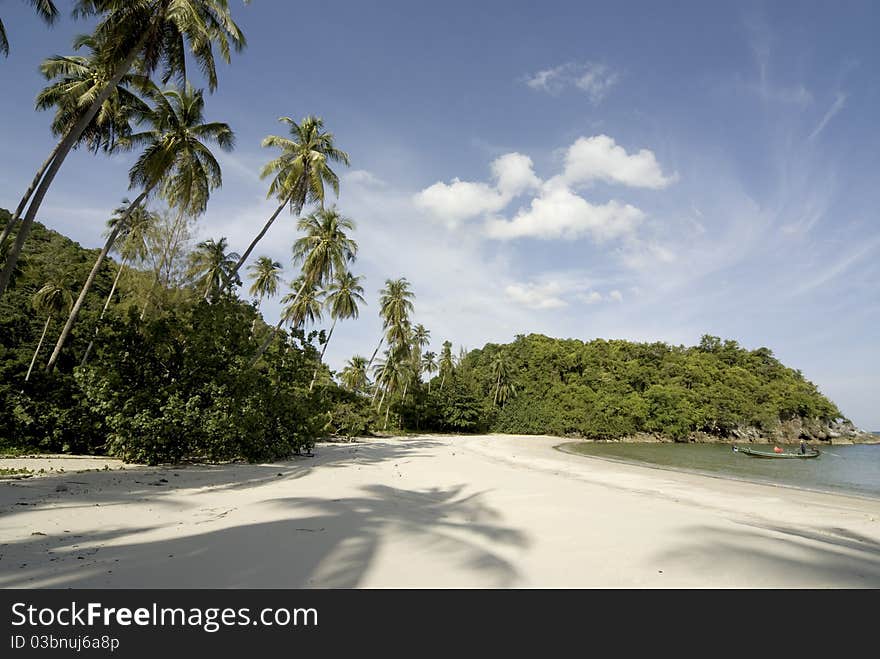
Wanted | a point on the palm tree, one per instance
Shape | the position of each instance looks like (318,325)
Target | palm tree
(421,339)
(152,33)
(343,295)
(395,306)
(45,9)
(504,388)
(324,250)
(446,365)
(301,170)
(175,159)
(429,366)
(53,300)
(354,375)
(210,267)
(266,274)
(303,306)
(134,248)
(76,80)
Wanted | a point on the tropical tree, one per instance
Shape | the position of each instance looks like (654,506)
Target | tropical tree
(45,9)
(392,374)
(354,375)
(342,298)
(153,33)
(446,365)
(395,306)
(175,159)
(302,305)
(504,388)
(324,250)
(52,299)
(301,171)
(421,339)
(429,366)
(133,248)
(75,81)
(210,266)
(265,274)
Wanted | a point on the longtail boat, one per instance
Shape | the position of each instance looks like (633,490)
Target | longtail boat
(812,453)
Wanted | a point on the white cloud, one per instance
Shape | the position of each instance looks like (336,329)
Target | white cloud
(591,77)
(536,296)
(590,298)
(560,213)
(836,107)
(599,158)
(616,295)
(459,200)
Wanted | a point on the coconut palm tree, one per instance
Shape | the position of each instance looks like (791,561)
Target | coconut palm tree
(153,33)
(395,306)
(45,9)
(429,366)
(504,388)
(446,365)
(421,339)
(134,248)
(266,274)
(175,159)
(301,171)
(75,80)
(52,300)
(354,375)
(303,305)
(392,375)
(342,298)
(210,266)
(324,250)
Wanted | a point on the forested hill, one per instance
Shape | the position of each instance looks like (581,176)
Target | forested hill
(615,389)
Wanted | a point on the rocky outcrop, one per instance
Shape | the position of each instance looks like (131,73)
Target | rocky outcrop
(793,431)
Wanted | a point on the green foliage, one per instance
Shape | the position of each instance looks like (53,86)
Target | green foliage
(611,389)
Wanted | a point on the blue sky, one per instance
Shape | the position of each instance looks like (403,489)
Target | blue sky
(645,171)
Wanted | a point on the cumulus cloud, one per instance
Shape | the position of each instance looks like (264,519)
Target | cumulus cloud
(536,295)
(459,200)
(555,210)
(599,158)
(560,213)
(593,78)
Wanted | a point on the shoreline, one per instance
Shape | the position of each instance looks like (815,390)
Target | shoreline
(429,511)
(719,475)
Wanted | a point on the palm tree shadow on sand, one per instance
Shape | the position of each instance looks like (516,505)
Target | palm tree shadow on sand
(319,543)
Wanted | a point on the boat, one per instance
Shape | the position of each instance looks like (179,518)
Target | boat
(811,453)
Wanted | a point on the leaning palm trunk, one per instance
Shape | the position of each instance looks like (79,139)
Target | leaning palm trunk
(71,319)
(7,230)
(37,351)
(253,244)
(88,352)
(323,350)
(375,352)
(63,148)
(265,345)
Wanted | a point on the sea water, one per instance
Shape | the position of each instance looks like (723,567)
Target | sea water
(846,469)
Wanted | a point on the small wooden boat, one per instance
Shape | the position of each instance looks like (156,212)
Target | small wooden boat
(812,453)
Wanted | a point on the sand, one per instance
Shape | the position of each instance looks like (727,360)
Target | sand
(430,511)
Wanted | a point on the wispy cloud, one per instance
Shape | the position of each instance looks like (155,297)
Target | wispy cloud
(594,79)
(837,106)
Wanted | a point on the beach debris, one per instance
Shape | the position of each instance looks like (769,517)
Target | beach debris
(38,533)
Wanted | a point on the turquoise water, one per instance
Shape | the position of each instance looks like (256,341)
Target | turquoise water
(846,469)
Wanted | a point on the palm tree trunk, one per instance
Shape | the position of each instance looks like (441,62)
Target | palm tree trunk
(27,195)
(64,147)
(88,352)
(381,339)
(323,350)
(39,345)
(387,410)
(71,319)
(253,244)
(268,341)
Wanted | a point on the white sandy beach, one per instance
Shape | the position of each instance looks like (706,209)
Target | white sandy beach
(488,511)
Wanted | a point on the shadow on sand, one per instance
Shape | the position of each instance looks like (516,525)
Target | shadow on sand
(309,542)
